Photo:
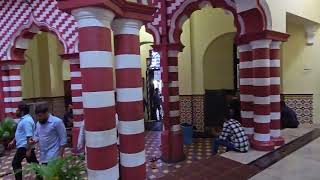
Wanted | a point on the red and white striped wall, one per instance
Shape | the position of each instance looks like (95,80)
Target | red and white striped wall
(129,99)
(12,89)
(261,91)
(275,88)
(96,63)
(246,88)
(174,105)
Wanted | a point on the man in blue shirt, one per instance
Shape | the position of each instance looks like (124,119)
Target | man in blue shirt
(50,134)
(24,132)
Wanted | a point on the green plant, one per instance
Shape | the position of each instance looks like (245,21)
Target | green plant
(7,129)
(68,168)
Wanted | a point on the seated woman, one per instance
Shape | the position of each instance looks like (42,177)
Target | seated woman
(288,117)
(232,136)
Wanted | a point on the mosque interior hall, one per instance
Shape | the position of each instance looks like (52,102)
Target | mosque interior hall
(157,89)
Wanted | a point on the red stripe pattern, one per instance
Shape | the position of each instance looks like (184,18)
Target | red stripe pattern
(246,96)
(174,107)
(172,139)
(96,63)
(129,99)
(275,74)
(76,92)
(17,15)
(12,90)
(261,91)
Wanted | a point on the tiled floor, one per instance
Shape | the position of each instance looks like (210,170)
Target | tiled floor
(199,150)
(288,134)
(199,161)
(303,164)
(214,168)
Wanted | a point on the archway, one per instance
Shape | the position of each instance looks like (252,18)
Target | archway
(36,17)
(17,32)
(259,52)
(220,81)
(42,73)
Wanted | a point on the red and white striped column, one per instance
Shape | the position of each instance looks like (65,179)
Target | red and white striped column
(76,93)
(175,135)
(96,63)
(261,91)
(12,88)
(275,74)
(246,93)
(129,99)
(174,105)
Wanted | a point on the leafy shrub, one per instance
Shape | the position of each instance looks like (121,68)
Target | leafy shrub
(68,168)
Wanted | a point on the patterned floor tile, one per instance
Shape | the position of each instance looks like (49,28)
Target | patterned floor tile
(200,149)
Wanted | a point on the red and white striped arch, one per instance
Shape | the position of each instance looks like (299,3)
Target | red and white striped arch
(18,17)
(250,16)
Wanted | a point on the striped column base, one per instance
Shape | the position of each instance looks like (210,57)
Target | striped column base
(172,147)
(278,141)
(262,145)
(139,172)
(75,135)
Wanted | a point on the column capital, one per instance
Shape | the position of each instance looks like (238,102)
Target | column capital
(267,34)
(93,16)
(173,47)
(260,44)
(122,8)
(126,26)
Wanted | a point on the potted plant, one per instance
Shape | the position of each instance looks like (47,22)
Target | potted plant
(68,168)
(7,130)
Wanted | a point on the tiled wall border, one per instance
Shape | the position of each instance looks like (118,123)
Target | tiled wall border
(192,108)
(302,104)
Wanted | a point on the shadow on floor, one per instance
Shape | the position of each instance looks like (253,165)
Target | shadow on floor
(153,126)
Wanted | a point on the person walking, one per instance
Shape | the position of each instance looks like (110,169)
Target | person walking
(157,101)
(24,132)
(50,134)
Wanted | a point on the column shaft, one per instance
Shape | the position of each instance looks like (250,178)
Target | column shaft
(261,91)
(12,89)
(129,99)
(96,62)
(76,93)
(246,93)
(275,74)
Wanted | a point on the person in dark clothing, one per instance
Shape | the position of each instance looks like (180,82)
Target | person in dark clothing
(24,132)
(157,102)
(68,117)
(233,103)
(288,117)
